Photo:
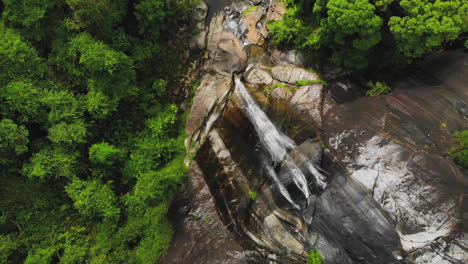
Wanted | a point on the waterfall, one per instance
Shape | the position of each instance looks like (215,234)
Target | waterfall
(278,146)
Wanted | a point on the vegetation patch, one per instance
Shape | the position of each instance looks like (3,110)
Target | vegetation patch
(91,138)
(307,82)
(250,9)
(354,34)
(253,195)
(378,89)
(314,257)
(460,151)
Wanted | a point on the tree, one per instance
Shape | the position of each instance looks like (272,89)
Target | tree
(13,139)
(98,16)
(68,133)
(428,24)
(93,199)
(354,33)
(100,105)
(104,154)
(21,100)
(106,70)
(63,105)
(51,163)
(18,58)
(351,23)
(29,16)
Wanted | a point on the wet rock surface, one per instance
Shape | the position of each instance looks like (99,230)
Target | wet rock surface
(201,236)
(390,193)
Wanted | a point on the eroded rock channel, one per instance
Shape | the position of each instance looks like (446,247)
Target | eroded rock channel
(281,168)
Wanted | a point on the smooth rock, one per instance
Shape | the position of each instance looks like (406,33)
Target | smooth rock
(207,104)
(276,12)
(198,42)
(214,34)
(251,18)
(307,101)
(258,76)
(201,236)
(293,57)
(281,94)
(229,56)
(200,11)
(389,145)
(292,74)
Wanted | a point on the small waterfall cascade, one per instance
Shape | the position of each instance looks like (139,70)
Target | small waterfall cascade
(278,145)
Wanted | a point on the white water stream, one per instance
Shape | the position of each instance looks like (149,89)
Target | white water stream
(278,146)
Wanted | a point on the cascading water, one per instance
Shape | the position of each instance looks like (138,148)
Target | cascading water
(278,146)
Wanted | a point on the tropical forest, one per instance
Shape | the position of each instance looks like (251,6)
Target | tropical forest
(233,131)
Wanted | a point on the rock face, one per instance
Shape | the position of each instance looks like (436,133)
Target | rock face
(258,76)
(201,237)
(251,18)
(198,41)
(207,104)
(391,194)
(229,55)
(393,146)
(292,74)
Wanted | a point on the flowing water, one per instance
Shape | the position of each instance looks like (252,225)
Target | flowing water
(279,145)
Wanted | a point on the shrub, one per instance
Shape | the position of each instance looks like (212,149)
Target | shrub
(253,195)
(314,257)
(460,152)
(378,88)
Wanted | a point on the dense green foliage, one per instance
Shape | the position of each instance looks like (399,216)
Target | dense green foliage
(253,195)
(460,151)
(314,257)
(357,33)
(378,88)
(91,144)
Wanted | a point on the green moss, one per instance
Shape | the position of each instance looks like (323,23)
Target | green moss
(250,9)
(378,89)
(307,82)
(460,151)
(314,257)
(253,195)
(282,85)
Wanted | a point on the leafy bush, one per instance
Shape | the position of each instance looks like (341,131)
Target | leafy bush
(253,195)
(378,89)
(314,257)
(460,152)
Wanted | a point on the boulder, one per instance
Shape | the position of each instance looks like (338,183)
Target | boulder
(293,57)
(200,11)
(200,235)
(229,55)
(207,103)
(198,41)
(276,12)
(214,34)
(307,101)
(292,74)
(251,18)
(258,76)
